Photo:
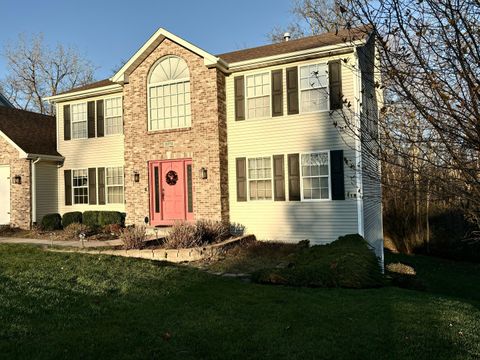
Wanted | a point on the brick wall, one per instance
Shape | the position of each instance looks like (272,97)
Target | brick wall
(20,210)
(205,142)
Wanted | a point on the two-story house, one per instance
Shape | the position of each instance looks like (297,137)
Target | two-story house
(247,137)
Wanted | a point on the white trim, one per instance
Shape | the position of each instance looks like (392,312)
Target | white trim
(300,111)
(78,187)
(294,56)
(76,95)
(107,186)
(302,199)
(208,59)
(271,178)
(259,72)
(105,115)
(358,144)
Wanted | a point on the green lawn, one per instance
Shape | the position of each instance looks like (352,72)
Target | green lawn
(58,305)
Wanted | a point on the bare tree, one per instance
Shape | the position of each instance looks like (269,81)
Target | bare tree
(36,71)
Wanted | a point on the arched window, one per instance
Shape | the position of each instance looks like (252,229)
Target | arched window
(169,94)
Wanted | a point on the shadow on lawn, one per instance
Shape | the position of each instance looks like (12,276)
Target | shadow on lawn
(82,306)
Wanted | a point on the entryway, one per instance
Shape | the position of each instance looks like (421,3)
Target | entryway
(4,194)
(171,191)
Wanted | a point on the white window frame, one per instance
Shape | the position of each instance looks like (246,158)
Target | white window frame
(311,88)
(105,114)
(112,186)
(329,176)
(163,83)
(271,177)
(269,72)
(80,187)
(76,122)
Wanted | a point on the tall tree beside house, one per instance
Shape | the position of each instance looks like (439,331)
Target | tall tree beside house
(36,70)
(429,136)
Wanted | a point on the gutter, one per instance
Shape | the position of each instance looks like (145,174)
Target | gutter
(34,190)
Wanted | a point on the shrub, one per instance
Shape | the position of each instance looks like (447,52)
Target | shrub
(74,230)
(110,217)
(52,222)
(133,237)
(90,218)
(113,229)
(71,217)
(347,262)
(186,235)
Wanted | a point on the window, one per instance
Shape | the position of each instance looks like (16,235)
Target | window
(258,95)
(315,176)
(113,116)
(80,186)
(169,95)
(313,88)
(114,184)
(79,121)
(260,178)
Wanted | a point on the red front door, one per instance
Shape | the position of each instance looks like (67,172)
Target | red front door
(171,191)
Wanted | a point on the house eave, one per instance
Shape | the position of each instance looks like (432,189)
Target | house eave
(104,90)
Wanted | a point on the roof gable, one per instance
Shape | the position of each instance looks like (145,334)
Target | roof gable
(29,132)
(155,40)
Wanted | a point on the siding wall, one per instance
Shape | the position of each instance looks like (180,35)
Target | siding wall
(107,151)
(372,190)
(318,221)
(46,184)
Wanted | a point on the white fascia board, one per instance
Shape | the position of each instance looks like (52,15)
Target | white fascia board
(208,59)
(292,56)
(103,90)
(23,154)
(45,157)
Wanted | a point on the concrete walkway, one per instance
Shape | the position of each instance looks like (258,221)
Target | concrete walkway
(66,243)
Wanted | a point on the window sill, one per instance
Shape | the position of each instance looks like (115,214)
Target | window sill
(163,131)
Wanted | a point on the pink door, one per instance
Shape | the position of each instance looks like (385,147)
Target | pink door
(171,191)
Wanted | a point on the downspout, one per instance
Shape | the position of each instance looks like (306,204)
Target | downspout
(34,191)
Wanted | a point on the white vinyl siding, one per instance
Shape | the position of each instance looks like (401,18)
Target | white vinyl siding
(106,151)
(79,121)
(80,186)
(258,95)
(260,178)
(114,183)
(113,116)
(314,95)
(320,221)
(315,168)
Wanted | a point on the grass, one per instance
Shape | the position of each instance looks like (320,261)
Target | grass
(58,305)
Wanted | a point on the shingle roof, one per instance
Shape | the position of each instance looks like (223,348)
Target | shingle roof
(34,133)
(96,84)
(309,42)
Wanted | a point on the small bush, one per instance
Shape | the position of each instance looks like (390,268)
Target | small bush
(400,268)
(90,218)
(347,262)
(133,237)
(52,222)
(186,235)
(110,217)
(74,230)
(112,229)
(71,217)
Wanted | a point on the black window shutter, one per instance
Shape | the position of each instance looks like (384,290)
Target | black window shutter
(67,174)
(336,173)
(335,84)
(292,90)
(91,118)
(278,178)
(66,122)
(239,98)
(293,177)
(100,120)
(101,186)
(241,179)
(92,186)
(277,92)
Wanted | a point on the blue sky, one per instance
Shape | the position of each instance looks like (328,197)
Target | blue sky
(108,31)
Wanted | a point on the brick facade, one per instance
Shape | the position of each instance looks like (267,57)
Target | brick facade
(20,194)
(205,142)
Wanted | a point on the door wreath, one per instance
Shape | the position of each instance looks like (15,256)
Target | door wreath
(171,177)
